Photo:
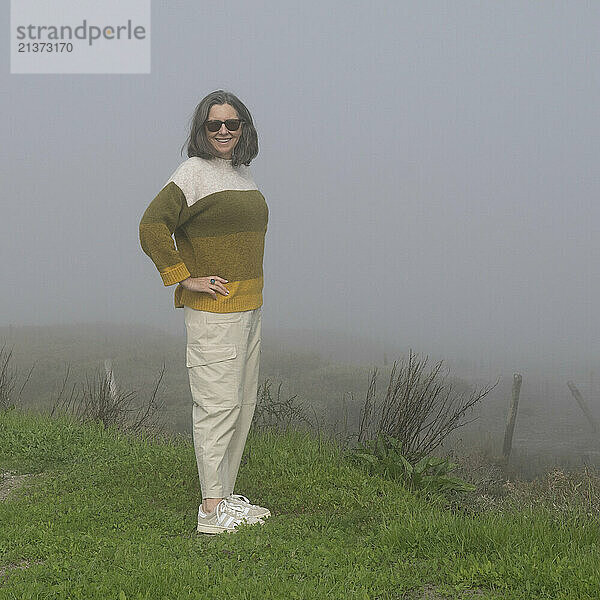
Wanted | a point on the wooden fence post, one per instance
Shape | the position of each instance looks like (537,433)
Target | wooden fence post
(583,405)
(512,417)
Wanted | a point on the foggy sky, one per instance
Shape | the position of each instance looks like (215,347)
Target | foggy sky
(431,172)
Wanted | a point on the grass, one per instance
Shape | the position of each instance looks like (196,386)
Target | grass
(107,515)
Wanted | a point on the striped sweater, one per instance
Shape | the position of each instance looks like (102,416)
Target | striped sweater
(219,219)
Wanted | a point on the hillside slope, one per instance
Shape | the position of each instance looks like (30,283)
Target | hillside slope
(108,516)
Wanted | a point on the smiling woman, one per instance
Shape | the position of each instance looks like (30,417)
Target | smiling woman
(219,218)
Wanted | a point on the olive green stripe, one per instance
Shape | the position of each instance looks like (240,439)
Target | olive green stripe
(221,213)
(226,212)
(234,257)
(166,207)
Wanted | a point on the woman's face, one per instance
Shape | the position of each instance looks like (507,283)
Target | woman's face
(222,112)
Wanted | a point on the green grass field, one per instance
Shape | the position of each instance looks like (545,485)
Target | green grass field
(103,515)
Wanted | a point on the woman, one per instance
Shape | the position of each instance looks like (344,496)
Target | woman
(219,218)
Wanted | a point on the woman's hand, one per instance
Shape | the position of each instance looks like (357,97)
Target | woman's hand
(203,284)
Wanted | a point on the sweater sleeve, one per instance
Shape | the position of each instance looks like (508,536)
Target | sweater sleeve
(160,220)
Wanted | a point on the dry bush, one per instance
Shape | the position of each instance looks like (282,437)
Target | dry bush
(97,402)
(8,380)
(275,413)
(419,410)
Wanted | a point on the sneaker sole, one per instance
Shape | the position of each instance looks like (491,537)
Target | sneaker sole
(212,530)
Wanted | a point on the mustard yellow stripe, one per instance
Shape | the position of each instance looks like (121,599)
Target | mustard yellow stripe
(243,295)
(175,274)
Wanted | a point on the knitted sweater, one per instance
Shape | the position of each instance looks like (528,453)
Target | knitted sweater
(219,219)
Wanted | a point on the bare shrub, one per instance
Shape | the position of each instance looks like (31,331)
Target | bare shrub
(98,402)
(419,410)
(8,380)
(277,413)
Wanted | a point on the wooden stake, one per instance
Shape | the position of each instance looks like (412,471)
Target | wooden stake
(583,405)
(512,417)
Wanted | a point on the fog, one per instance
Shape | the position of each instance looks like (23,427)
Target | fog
(430,168)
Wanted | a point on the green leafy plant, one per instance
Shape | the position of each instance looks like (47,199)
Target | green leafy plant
(383,456)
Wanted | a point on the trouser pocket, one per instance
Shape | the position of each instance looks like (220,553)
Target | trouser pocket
(213,374)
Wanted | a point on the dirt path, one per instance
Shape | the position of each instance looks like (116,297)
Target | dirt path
(9,482)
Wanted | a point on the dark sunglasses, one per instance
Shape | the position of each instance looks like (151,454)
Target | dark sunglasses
(231,124)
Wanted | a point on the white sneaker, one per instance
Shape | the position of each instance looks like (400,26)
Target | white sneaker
(253,509)
(226,517)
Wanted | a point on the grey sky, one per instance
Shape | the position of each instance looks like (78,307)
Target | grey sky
(431,172)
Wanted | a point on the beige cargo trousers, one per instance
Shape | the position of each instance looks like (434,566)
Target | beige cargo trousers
(223,357)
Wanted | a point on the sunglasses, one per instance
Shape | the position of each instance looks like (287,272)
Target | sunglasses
(231,124)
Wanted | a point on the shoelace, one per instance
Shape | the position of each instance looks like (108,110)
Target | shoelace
(224,506)
(241,498)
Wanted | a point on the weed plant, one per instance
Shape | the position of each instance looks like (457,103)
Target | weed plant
(383,456)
